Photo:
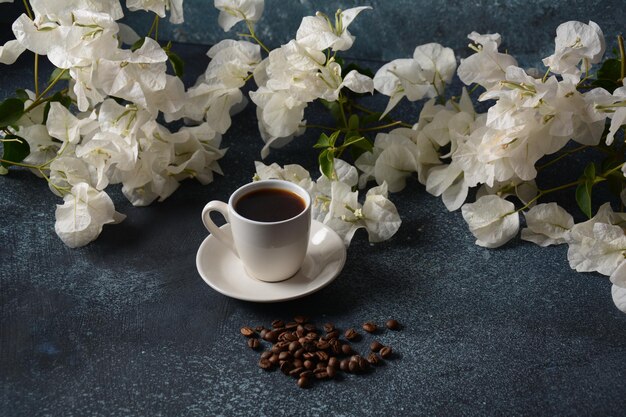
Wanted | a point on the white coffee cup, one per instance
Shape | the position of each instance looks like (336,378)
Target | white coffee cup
(269,250)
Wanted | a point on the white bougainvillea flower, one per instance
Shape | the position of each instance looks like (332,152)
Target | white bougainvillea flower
(616,110)
(66,127)
(61,10)
(438,64)
(576,42)
(319,33)
(380,216)
(107,151)
(80,218)
(448,182)
(234,11)
(492,220)
(10,51)
(547,224)
(424,75)
(487,66)
(68,171)
(597,244)
(159,7)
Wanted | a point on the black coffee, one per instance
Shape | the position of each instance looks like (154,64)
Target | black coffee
(269,205)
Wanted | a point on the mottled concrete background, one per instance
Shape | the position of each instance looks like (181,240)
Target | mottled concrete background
(395,27)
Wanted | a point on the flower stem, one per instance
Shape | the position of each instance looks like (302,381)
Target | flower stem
(36,71)
(29,13)
(253,36)
(41,98)
(622,54)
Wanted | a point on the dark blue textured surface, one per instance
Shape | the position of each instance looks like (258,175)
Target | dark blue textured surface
(394,28)
(125,326)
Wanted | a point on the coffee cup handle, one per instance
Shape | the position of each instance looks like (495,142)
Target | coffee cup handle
(225,238)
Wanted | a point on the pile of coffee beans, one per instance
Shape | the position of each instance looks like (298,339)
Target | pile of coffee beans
(307,353)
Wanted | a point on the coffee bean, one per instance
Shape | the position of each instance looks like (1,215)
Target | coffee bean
(329,327)
(373,359)
(284,356)
(322,374)
(296,372)
(297,363)
(392,324)
(298,353)
(304,382)
(333,362)
(300,319)
(266,355)
(353,366)
(352,334)
(291,325)
(247,331)
(307,373)
(254,343)
(321,355)
(346,349)
(331,371)
(276,324)
(375,346)
(344,365)
(308,364)
(286,367)
(274,359)
(271,336)
(369,327)
(386,352)
(265,364)
(294,346)
(263,333)
(310,327)
(332,334)
(323,345)
(321,365)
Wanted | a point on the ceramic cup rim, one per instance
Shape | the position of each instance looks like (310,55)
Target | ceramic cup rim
(280,184)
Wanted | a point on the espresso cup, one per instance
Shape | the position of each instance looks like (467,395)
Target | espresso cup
(270,222)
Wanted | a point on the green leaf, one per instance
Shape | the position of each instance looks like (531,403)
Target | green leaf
(57,71)
(327,163)
(11,110)
(371,118)
(360,147)
(323,142)
(609,75)
(583,197)
(610,70)
(353,122)
(590,172)
(21,94)
(333,137)
(177,63)
(137,44)
(3,170)
(15,149)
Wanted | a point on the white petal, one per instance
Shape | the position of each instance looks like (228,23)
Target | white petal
(492,220)
(358,82)
(547,224)
(10,51)
(619,297)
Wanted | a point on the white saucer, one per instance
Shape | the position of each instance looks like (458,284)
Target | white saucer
(223,271)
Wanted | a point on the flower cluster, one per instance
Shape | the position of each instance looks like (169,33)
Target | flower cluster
(116,94)
(453,149)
